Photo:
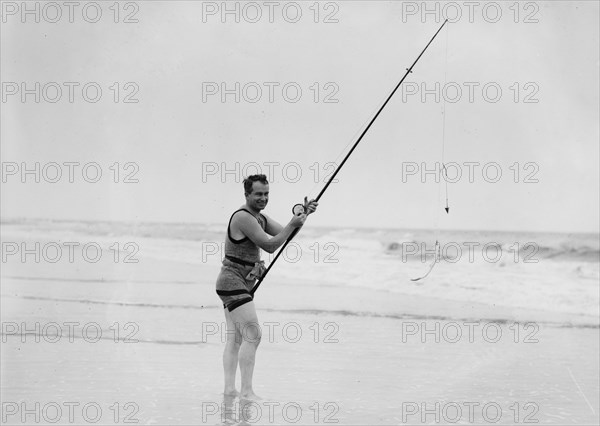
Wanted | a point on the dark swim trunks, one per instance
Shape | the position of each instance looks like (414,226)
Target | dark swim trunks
(232,286)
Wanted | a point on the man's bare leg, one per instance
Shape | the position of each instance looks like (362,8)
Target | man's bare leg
(246,321)
(230,355)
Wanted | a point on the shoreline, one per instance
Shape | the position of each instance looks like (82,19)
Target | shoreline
(291,297)
(351,354)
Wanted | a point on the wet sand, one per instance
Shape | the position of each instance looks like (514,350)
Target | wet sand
(352,357)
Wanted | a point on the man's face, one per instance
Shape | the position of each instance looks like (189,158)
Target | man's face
(259,197)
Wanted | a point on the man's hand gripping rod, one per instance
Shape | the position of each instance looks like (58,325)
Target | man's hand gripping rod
(299,208)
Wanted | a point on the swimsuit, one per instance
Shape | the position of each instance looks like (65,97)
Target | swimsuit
(241,267)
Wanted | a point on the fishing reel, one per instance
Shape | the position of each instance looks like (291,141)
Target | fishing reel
(299,209)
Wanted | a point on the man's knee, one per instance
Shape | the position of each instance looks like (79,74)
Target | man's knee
(251,332)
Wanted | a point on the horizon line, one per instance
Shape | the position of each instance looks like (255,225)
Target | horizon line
(4,220)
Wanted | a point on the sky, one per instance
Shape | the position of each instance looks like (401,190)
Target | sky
(173,103)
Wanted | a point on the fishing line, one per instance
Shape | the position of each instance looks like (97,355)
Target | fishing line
(443,177)
(337,170)
(445,171)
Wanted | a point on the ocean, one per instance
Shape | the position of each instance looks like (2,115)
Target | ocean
(552,272)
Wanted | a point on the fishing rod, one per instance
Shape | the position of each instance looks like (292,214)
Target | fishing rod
(299,208)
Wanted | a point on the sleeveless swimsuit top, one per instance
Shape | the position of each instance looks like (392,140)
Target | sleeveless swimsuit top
(243,249)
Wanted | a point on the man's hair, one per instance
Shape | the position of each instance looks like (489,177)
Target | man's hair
(249,181)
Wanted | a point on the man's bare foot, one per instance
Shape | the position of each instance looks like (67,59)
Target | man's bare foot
(250,396)
(231,392)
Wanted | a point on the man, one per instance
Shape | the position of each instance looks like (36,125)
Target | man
(247,232)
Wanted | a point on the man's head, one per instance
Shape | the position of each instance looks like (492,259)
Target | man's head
(256,190)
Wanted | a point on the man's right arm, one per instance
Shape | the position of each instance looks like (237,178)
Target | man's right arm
(250,228)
